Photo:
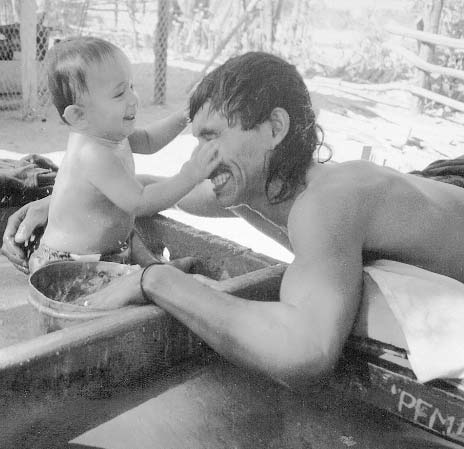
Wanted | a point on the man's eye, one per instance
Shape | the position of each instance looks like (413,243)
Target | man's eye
(120,94)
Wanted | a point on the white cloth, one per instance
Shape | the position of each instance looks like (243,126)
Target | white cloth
(429,309)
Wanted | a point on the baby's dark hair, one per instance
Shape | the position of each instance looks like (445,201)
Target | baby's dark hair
(248,88)
(67,62)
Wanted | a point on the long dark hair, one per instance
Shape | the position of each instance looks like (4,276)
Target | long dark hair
(248,88)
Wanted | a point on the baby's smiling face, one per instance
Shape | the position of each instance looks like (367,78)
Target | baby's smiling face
(111,103)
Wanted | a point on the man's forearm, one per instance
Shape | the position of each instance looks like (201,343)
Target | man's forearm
(202,201)
(264,336)
(163,131)
(263,225)
(157,135)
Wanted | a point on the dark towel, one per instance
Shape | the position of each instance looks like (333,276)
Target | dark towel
(26,179)
(445,170)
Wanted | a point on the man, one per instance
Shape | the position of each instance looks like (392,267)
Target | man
(257,111)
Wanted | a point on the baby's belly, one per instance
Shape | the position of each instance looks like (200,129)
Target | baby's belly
(110,238)
(99,233)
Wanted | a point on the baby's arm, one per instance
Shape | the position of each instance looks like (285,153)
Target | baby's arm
(109,176)
(151,139)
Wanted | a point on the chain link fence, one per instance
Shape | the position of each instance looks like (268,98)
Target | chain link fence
(317,38)
(132,25)
(148,31)
(16,75)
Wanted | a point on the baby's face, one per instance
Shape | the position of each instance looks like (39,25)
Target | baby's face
(111,102)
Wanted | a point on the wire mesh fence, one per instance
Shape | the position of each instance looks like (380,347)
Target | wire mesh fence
(153,32)
(149,32)
(132,25)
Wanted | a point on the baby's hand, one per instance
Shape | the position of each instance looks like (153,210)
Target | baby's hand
(203,161)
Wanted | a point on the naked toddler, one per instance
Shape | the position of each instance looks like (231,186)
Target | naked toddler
(97,196)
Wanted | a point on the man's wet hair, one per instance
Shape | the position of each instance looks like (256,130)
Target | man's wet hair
(247,89)
(67,65)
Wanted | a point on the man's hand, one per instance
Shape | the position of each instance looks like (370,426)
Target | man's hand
(19,230)
(125,290)
(40,161)
(120,292)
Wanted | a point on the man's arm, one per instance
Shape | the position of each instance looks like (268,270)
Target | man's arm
(20,227)
(324,285)
(299,339)
(202,201)
(295,341)
(154,137)
(263,225)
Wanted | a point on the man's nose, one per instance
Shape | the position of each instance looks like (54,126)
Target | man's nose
(134,98)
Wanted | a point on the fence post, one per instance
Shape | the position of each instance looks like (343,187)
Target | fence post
(161,52)
(430,23)
(28,33)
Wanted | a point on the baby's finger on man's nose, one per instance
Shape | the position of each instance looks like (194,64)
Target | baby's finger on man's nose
(211,149)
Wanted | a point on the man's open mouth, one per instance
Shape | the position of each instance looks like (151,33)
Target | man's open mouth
(220,176)
(129,117)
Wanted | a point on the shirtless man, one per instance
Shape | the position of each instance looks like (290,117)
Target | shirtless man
(256,109)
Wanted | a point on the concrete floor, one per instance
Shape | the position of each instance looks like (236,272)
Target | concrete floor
(18,320)
(216,405)
(13,285)
(213,406)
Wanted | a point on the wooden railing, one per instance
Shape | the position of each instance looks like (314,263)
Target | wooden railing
(426,67)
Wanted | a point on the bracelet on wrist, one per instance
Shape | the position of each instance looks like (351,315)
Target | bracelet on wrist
(144,293)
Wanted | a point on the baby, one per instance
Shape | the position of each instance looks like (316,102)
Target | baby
(97,196)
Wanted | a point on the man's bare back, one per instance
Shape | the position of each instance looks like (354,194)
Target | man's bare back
(398,216)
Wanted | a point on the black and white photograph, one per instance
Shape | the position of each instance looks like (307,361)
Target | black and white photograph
(231,224)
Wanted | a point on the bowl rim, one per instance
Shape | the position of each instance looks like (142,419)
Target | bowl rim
(59,309)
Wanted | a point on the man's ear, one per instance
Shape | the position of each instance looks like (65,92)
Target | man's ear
(75,116)
(280,124)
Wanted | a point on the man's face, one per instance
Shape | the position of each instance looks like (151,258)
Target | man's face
(240,177)
(111,103)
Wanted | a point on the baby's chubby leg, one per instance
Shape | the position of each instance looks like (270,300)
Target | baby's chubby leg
(140,254)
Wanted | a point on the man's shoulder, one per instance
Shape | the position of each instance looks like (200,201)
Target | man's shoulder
(342,195)
(359,168)
(349,178)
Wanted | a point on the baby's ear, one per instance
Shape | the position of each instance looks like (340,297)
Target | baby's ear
(75,116)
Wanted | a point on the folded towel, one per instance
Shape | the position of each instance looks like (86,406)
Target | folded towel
(429,309)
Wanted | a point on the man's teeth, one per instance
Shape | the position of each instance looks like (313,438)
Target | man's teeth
(129,117)
(221,179)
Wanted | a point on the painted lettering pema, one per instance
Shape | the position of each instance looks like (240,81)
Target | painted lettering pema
(428,414)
